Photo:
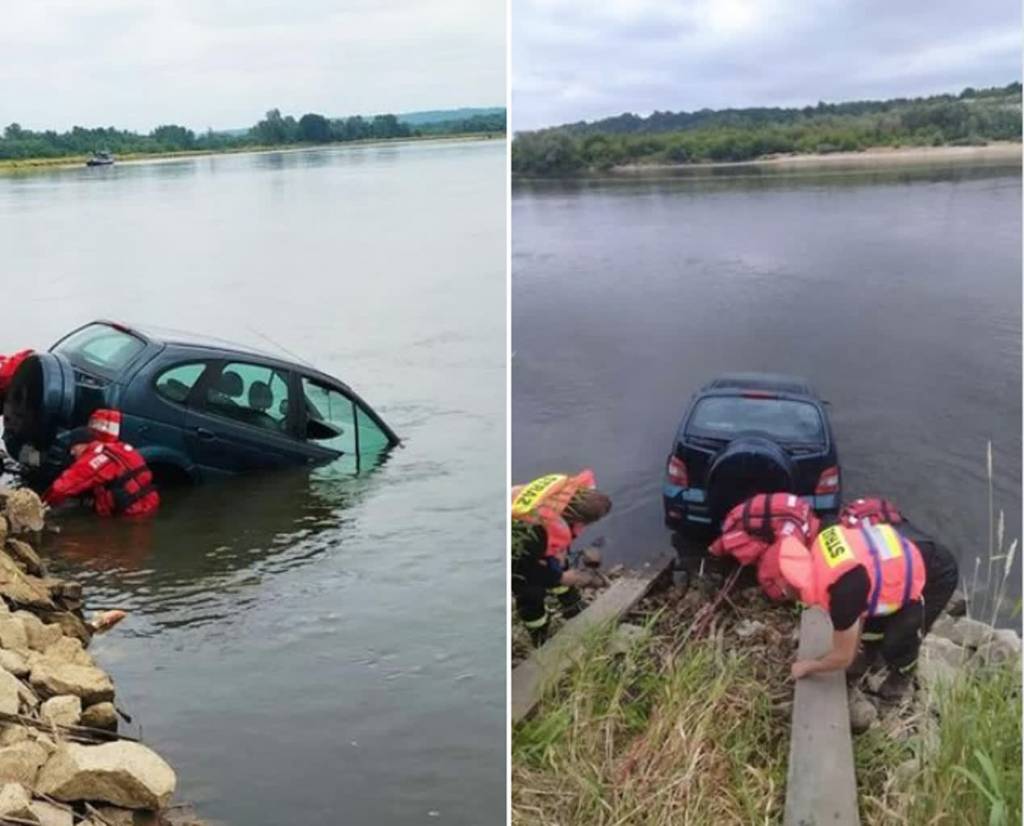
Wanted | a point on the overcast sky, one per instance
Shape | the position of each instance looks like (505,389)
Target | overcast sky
(579,60)
(222,63)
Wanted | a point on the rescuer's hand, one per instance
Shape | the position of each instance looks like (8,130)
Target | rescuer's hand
(582,578)
(591,557)
(801,668)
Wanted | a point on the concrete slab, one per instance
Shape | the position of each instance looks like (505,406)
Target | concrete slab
(822,786)
(550,661)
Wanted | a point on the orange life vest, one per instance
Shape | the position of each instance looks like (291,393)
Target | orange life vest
(874,511)
(543,502)
(893,563)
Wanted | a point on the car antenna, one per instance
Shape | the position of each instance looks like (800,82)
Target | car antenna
(280,347)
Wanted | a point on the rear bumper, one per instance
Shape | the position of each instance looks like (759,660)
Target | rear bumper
(688,506)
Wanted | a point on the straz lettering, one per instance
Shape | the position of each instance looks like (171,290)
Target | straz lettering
(528,498)
(834,547)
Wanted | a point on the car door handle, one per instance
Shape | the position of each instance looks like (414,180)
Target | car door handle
(203,433)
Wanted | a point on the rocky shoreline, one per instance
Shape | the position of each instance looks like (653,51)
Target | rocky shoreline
(62,760)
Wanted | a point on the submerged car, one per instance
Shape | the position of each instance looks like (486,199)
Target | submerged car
(195,408)
(748,433)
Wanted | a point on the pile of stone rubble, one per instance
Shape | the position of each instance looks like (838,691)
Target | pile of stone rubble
(62,762)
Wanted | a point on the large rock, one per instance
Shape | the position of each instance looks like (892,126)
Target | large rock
(10,693)
(19,587)
(15,802)
(1004,646)
(12,634)
(123,773)
(51,678)
(63,710)
(52,815)
(24,511)
(944,649)
(69,650)
(13,662)
(969,632)
(863,714)
(26,555)
(100,715)
(72,624)
(20,763)
(40,635)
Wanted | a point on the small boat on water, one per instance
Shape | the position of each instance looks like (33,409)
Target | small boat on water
(100,159)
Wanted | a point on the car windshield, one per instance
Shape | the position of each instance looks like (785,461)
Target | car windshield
(100,348)
(786,420)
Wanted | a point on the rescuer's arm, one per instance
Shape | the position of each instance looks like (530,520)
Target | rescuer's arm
(82,475)
(848,599)
(580,578)
(842,655)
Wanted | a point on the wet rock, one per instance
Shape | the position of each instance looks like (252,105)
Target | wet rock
(24,511)
(863,714)
(12,634)
(20,762)
(15,801)
(100,715)
(942,627)
(957,605)
(19,587)
(123,773)
(25,554)
(50,814)
(72,625)
(969,632)
(749,628)
(62,710)
(51,678)
(626,637)
(69,650)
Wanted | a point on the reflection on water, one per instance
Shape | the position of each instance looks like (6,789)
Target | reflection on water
(897,292)
(306,647)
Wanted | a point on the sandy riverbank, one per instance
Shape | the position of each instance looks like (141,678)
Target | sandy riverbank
(879,156)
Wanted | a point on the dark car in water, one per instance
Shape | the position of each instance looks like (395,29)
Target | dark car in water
(748,433)
(196,408)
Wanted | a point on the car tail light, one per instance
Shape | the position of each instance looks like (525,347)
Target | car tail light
(758,394)
(677,471)
(828,482)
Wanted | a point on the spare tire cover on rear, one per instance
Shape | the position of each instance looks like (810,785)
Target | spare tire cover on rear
(40,400)
(747,466)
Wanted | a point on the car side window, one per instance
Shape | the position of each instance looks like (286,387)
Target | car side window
(330,417)
(254,394)
(177,382)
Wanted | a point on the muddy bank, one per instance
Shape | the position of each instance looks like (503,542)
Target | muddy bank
(62,760)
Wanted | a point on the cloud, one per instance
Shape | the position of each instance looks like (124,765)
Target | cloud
(223,63)
(574,60)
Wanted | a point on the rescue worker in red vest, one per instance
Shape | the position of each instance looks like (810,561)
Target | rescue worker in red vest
(8,367)
(111,473)
(880,586)
(547,515)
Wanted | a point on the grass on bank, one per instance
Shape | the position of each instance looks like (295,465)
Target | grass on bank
(963,756)
(659,734)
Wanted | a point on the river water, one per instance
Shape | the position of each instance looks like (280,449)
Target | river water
(303,648)
(897,293)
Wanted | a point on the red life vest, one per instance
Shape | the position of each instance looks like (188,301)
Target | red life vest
(893,564)
(873,511)
(131,493)
(544,501)
(8,366)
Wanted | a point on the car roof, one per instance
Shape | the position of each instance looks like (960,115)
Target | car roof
(188,340)
(777,382)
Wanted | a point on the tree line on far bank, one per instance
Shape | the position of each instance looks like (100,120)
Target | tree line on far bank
(973,117)
(274,130)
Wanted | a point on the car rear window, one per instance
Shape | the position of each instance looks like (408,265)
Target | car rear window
(786,420)
(100,348)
